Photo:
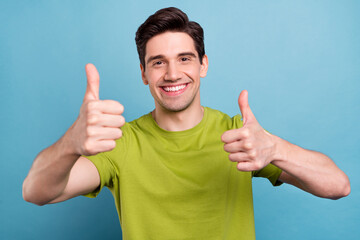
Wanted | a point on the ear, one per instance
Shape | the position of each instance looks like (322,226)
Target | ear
(145,81)
(204,66)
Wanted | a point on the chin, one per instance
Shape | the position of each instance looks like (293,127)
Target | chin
(175,108)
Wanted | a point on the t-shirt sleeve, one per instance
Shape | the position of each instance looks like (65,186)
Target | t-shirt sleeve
(106,170)
(271,172)
(109,163)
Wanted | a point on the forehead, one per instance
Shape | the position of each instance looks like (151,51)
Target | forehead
(169,44)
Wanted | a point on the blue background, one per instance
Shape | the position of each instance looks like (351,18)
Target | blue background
(299,60)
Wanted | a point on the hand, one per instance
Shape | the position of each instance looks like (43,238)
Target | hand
(251,146)
(99,121)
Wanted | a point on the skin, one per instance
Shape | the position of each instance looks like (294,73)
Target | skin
(254,148)
(171,60)
(60,173)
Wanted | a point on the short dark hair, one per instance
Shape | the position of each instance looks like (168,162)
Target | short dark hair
(168,19)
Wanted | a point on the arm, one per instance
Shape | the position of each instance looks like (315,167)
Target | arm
(309,170)
(253,148)
(59,172)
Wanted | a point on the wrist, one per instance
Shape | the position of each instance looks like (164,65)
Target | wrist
(67,143)
(280,152)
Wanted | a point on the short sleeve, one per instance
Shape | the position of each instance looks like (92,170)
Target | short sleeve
(271,172)
(106,171)
(237,121)
(108,163)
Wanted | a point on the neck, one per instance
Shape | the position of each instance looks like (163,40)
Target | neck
(178,121)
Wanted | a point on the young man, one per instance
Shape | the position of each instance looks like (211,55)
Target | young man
(169,171)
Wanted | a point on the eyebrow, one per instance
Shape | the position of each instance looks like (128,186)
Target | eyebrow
(162,56)
(187,54)
(154,58)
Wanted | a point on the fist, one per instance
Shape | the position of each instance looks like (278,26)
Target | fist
(250,146)
(99,121)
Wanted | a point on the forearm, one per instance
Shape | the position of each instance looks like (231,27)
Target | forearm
(313,171)
(50,171)
(94,131)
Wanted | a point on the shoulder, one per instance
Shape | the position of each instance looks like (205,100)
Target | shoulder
(137,123)
(139,126)
(130,132)
(223,119)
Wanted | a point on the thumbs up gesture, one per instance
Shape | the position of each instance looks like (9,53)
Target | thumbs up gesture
(98,124)
(250,146)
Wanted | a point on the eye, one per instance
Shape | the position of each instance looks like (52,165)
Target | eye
(184,59)
(157,63)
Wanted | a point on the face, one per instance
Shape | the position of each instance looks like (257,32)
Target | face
(173,71)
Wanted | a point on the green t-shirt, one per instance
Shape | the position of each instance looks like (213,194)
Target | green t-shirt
(179,185)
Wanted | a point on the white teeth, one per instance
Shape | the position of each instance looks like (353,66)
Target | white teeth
(174,89)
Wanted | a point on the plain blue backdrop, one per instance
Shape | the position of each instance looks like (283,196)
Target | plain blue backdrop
(299,60)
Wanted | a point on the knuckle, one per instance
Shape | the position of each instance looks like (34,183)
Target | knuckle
(239,167)
(252,155)
(118,133)
(224,137)
(88,147)
(248,145)
(120,108)
(242,167)
(232,157)
(246,133)
(92,105)
(108,145)
(121,121)
(112,144)
(257,165)
(92,119)
(89,132)
(89,106)
(117,107)
(237,146)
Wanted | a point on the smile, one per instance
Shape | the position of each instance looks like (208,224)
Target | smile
(174,90)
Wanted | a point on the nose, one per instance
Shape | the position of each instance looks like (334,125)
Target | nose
(173,72)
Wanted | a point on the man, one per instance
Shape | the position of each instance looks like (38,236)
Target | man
(169,171)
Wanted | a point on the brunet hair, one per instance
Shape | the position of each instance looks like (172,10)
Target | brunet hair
(168,19)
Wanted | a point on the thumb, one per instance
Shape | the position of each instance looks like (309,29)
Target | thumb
(93,81)
(245,110)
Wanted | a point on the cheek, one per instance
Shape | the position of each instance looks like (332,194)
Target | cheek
(152,89)
(152,86)
(191,67)
(191,71)
(154,75)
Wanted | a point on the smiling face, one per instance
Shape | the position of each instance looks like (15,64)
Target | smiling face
(173,71)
